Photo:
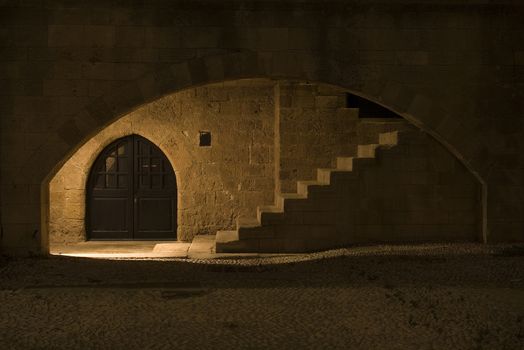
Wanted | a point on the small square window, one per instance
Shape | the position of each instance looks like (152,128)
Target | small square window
(205,139)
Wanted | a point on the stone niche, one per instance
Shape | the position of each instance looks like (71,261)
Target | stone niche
(265,136)
(216,183)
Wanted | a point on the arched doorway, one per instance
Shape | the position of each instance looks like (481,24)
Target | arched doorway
(131,193)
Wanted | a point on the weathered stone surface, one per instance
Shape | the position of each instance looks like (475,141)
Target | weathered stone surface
(216,184)
(312,124)
(403,199)
(454,70)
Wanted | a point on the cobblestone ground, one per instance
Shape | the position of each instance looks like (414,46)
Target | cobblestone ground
(425,297)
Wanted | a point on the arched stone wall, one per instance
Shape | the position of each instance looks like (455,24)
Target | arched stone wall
(219,184)
(453,69)
(209,179)
(417,108)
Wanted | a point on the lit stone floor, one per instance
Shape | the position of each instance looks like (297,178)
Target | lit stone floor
(202,247)
(384,297)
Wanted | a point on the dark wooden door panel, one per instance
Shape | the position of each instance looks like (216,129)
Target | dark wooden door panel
(111,219)
(131,193)
(155,192)
(155,217)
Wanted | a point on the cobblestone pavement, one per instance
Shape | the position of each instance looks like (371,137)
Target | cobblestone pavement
(423,297)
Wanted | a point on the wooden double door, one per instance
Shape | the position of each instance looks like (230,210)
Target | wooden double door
(131,193)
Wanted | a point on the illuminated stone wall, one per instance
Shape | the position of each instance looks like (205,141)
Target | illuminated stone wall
(314,122)
(304,126)
(216,184)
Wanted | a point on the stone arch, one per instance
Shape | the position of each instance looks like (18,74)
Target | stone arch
(76,174)
(419,109)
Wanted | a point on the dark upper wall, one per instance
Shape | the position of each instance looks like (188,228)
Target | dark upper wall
(69,68)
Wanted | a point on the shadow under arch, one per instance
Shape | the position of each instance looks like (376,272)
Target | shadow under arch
(416,108)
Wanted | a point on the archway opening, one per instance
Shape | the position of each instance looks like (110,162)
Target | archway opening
(261,138)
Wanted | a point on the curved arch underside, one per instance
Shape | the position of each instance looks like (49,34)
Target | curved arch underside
(418,108)
(236,174)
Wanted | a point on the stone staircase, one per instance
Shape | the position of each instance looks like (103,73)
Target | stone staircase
(315,217)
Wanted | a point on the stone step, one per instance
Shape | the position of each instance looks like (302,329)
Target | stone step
(202,246)
(367,151)
(292,209)
(247,222)
(303,187)
(324,175)
(226,236)
(229,242)
(314,189)
(267,210)
(311,205)
(286,200)
(362,163)
(345,163)
(256,232)
(337,175)
(327,177)
(388,138)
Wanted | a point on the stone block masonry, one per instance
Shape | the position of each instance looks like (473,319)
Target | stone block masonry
(381,194)
(216,184)
(70,69)
(221,184)
(314,122)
